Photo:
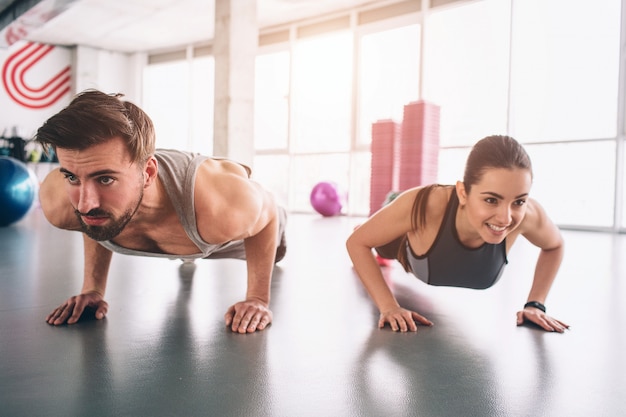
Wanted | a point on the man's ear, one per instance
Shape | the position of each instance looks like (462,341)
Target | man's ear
(460,192)
(150,171)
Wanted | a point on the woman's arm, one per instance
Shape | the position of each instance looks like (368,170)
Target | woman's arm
(543,233)
(389,223)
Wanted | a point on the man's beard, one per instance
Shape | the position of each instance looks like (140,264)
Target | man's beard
(101,233)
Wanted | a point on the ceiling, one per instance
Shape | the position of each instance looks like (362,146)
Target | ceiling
(151,25)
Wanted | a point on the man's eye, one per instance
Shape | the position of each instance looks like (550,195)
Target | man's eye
(71,179)
(106,180)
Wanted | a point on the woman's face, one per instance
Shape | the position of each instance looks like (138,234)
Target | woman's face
(496,205)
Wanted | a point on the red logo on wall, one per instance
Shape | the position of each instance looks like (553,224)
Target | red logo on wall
(16,83)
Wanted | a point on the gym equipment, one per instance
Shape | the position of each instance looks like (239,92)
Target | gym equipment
(18,187)
(326,199)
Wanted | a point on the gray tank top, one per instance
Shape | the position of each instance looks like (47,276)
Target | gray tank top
(449,263)
(177,172)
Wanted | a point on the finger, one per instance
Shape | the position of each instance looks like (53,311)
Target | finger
(228,317)
(237,320)
(520,318)
(393,324)
(558,326)
(265,321)
(412,326)
(52,316)
(62,313)
(102,310)
(249,321)
(420,319)
(544,324)
(76,313)
(403,325)
(254,323)
(243,325)
(566,326)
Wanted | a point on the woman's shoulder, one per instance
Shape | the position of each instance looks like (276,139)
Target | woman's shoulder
(427,202)
(438,200)
(434,193)
(535,215)
(538,228)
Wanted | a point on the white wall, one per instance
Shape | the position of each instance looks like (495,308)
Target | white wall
(110,72)
(35,85)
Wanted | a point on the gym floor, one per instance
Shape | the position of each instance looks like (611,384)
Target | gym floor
(163,349)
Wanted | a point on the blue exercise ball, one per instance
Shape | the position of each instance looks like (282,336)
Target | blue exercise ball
(18,186)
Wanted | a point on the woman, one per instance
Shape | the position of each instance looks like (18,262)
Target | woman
(460,235)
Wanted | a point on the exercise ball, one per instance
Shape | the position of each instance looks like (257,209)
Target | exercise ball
(18,186)
(327,199)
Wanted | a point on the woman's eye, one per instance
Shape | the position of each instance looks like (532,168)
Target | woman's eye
(520,202)
(490,200)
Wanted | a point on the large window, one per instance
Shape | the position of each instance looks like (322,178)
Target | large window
(623,192)
(544,72)
(466,69)
(178,97)
(322,93)
(564,78)
(575,181)
(167,104)
(271,115)
(389,74)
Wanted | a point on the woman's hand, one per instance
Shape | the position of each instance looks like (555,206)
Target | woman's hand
(541,319)
(402,319)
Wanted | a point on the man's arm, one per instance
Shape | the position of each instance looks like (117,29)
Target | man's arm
(253,313)
(60,213)
(96,269)
(230,206)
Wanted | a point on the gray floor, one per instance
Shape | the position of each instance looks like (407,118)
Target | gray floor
(163,349)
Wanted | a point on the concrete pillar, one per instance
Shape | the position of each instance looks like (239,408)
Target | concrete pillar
(234,48)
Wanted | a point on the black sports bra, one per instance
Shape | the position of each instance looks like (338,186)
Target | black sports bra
(449,263)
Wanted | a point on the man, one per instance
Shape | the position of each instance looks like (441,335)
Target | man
(127,197)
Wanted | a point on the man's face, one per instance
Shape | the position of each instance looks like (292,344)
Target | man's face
(104,187)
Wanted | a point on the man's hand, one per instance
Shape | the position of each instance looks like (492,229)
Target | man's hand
(402,320)
(541,319)
(70,311)
(248,316)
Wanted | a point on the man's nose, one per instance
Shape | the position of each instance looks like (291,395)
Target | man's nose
(88,199)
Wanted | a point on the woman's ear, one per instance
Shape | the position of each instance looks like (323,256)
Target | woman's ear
(460,193)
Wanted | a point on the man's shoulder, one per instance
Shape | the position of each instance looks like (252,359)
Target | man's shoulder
(221,168)
(210,165)
(55,203)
